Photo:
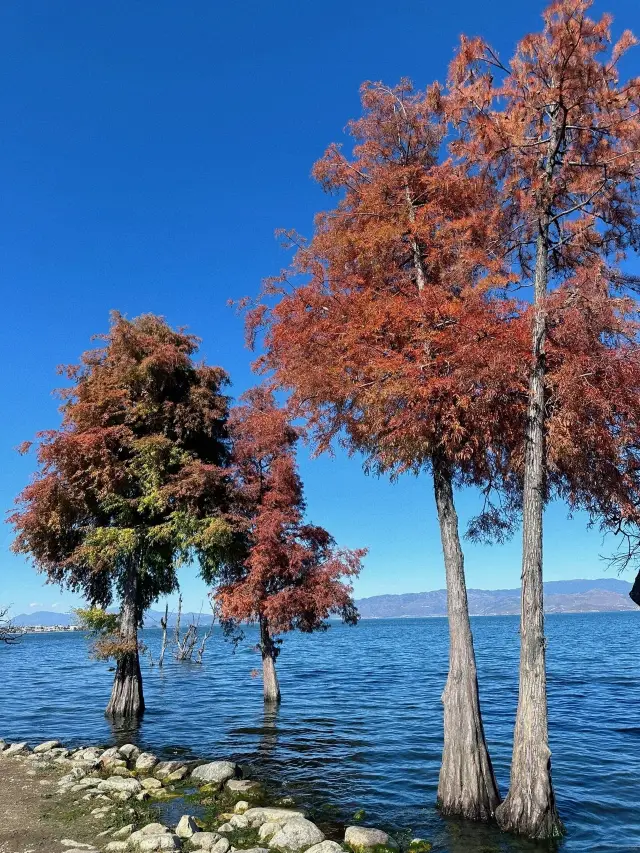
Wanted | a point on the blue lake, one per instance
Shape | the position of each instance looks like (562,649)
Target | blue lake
(360,722)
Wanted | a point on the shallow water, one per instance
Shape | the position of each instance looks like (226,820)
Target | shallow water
(360,722)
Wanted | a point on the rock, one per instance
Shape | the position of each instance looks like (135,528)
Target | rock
(296,835)
(215,771)
(116,847)
(73,776)
(326,847)
(239,821)
(123,832)
(129,751)
(241,807)
(151,784)
(360,838)
(58,752)
(68,842)
(17,749)
(164,768)
(150,829)
(114,769)
(142,796)
(146,761)
(255,850)
(187,826)
(119,785)
(91,753)
(242,786)
(3,745)
(268,830)
(81,850)
(262,814)
(209,840)
(47,746)
(178,774)
(225,827)
(110,754)
(154,843)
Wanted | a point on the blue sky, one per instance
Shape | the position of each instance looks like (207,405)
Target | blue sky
(150,150)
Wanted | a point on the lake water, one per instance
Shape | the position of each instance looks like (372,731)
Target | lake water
(360,721)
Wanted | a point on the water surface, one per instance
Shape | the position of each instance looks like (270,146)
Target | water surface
(360,722)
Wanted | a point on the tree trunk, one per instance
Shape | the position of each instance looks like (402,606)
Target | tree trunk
(530,808)
(127,699)
(467,786)
(269,654)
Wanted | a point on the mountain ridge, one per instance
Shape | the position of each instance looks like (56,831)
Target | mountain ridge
(600,595)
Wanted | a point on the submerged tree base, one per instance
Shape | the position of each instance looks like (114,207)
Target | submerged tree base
(127,699)
(520,815)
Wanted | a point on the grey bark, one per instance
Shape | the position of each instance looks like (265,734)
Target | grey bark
(269,654)
(467,786)
(127,699)
(529,807)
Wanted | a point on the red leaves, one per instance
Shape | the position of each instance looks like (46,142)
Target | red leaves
(292,574)
(140,460)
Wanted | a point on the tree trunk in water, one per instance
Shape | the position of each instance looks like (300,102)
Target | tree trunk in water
(127,699)
(269,655)
(467,786)
(530,808)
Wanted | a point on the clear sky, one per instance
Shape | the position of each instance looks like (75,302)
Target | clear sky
(149,151)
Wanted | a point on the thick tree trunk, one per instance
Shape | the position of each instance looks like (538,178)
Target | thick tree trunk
(127,699)
(269,655)
(467,785)
(530,808)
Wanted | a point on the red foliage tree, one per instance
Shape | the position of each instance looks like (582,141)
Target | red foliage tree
(560,137)
(291,576)
(393,339)
(133,483)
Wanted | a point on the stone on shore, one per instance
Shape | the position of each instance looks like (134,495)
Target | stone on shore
(268,830)
(123,832)
(297,835)
(164,768)
(187,826)
(360,838)
(146,761)
(17,749)
(210,841)
(120,785)
(214,771)
(263,814)
(151,784)
(244,787)
(326,847)
(241,807)
(130,751)
(47,746)
(116,847)
(153,837)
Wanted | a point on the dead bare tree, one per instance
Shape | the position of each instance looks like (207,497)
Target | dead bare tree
(9,633)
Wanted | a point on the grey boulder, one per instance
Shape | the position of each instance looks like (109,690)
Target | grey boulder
(214,771)
(360,838)
(296,835)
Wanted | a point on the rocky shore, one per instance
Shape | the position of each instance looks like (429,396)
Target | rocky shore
(121,792)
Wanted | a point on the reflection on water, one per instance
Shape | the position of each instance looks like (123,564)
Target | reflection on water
(360,723)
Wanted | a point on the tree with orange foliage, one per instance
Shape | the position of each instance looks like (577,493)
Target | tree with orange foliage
(133,483)
(560,137)
(290,575)
(393,341)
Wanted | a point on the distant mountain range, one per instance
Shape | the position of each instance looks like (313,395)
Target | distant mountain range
(577,596)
